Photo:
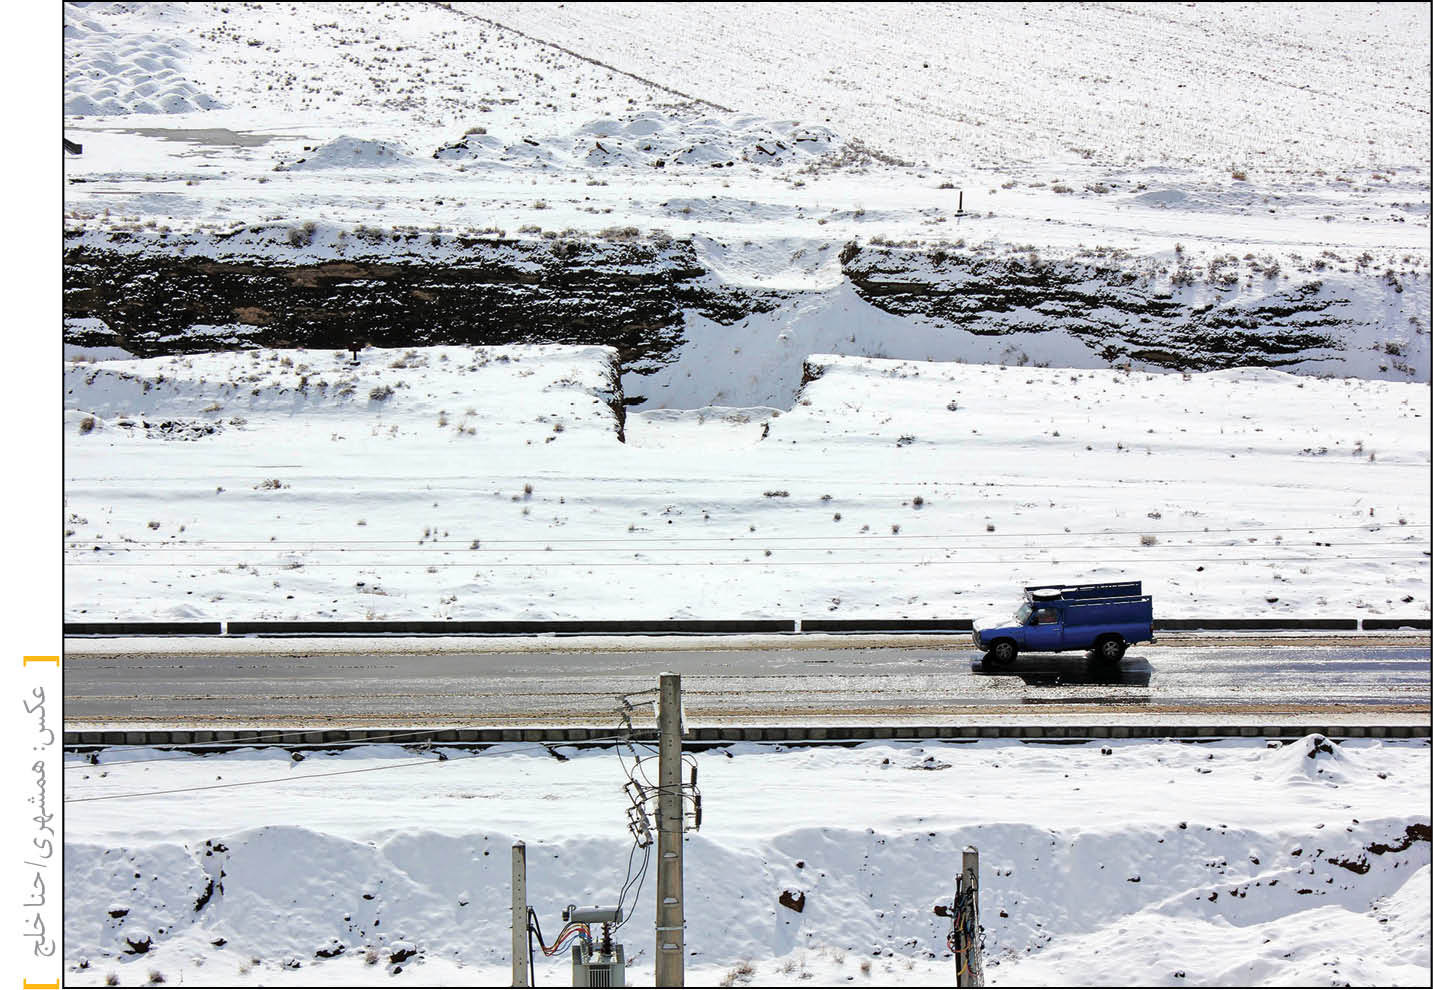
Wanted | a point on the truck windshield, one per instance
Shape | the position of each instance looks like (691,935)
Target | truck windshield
(1022,614)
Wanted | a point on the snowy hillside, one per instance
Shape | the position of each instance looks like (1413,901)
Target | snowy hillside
(1279,89)
(1148,181)
(1050,201)
(1297,865)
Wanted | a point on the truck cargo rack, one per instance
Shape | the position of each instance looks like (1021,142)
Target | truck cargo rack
(1085,592)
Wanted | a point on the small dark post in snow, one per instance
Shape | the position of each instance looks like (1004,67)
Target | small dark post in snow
(960,203)
(355,347)
(520,975)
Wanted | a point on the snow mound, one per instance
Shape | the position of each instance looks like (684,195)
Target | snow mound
(346,152)
(657,138)
(1315,758)
(1240,875)
(113,67)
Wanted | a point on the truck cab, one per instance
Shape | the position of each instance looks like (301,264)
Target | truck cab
(1103,618)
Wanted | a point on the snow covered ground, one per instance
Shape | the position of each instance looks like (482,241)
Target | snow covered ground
(1235,156)
(831,450)
(1296,87)
(1238,864)
(1281,95)
(491,483)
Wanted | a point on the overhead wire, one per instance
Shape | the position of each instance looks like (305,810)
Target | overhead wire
(441,758)
(440,542)
(1129,554)
(274,738)
(633,883)
(874,548)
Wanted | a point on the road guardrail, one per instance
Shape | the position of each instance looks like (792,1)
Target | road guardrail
(710,736)
(672,627)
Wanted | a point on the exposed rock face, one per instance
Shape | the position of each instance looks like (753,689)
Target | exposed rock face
(629,296)
(152,294)
(1116,310)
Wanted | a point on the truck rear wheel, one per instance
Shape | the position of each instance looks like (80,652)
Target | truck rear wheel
(1002,653)
(1110,649)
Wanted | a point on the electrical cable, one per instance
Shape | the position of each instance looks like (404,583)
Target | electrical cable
(714,546)
(310,776)
(247,783)
(627,881)
(240,545)
(641,880)
(263,740)
(531,921)
(1127,556)
(569,931)
(632,883)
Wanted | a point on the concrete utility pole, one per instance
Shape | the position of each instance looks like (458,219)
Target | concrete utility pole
(520,976)
(671,920)
(970,970)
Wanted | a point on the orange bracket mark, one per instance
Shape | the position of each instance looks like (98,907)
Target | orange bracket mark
(56,662)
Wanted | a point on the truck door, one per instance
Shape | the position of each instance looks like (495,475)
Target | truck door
(1044,630)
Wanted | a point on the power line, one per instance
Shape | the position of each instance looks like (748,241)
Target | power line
(249,783)
(726,484)
(311,776)
(782,543)
(772,561)
(263,739)
(459,543)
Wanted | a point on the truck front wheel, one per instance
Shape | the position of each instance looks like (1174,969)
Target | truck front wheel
(1002,653)
(1110,649)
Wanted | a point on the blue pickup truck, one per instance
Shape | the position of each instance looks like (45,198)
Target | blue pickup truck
(1102,618)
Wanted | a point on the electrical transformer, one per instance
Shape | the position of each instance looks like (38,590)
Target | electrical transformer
(592,967)
(597,962)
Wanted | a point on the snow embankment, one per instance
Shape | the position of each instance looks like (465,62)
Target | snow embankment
(492,483)
(1251,869)
(701,321)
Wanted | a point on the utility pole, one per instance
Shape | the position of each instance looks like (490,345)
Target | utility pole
(520,976)
(671,920)
(970,970)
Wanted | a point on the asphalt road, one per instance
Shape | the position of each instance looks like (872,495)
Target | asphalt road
(775,685)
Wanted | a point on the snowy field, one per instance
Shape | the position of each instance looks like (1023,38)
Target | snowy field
(490,483)
(1224,156)
(1255,157)
(1305,864)
(1318,105)
(811,446)
(1299,87)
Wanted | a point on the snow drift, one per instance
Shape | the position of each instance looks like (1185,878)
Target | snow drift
(1244,873)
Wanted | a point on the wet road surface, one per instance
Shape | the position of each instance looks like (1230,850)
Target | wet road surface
(779,685)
